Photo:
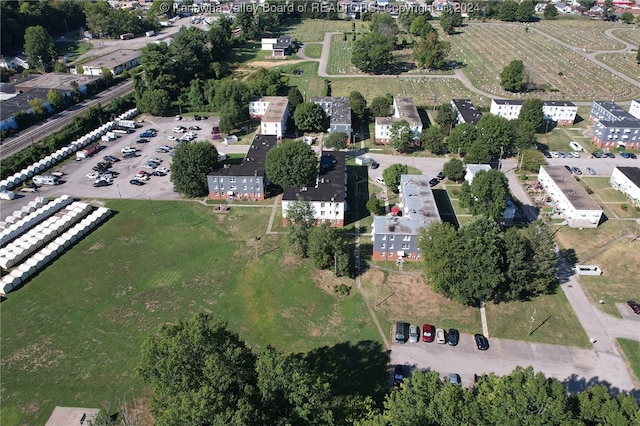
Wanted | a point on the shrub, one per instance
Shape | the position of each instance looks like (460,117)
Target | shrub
(342,289)
(625,207)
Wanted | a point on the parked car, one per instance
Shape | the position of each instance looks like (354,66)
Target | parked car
(167,147)
(149,165)
(575,154)
(375,165)
(440,176)
(380,181)
(398,375)
(142,141)
(547,154)
(179,129)
(93,175)
(110,158)
(555,154)
(562,154)
(147,134)
(635,306)
(454,379)
(197,117)
(568,169)
(434,182)
(577,170)
(633,156)
(136,182)
(453,336)
(625,155)
(402,329)
(101,182)
(178,117)
(194,128)
(597,154)
(156,160)
(129,155)
(611,155)
(414,334)
(127,149)
(171,138)
(141,177)
(591,171)
(162,170)
(428,331)
(440,336)
(481,342)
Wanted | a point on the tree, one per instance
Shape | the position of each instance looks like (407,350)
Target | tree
(329,249)
(431,52)
(372,53)
(449,22)
(291,164)
(420,26)
(155,102)
(196,97)
(525,135)
(39,48)
(402,136)
(526,11)
(432,139)
(199,373)
(300,220)
(461,138)
(290,392)
(532,111)
(384,23)
(446,117)
(310,117)
(358,105)
(495,135)
(190,165)
(162,7)
(295,98)
(627,18)
(454,170)
(55,99)
(595,405)
(508,10)
(37,107)
(375,205)
(380,107)
(391,176)
(477,153)
(336,140)
(266,82)
(487,194)
(441,250)
(512,77)
(550,11)
(543,278)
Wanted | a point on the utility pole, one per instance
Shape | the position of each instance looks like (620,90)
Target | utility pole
(533,318)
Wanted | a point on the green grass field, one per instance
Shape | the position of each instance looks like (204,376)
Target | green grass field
(340,56)
(314,29)
(71,336)
(584,33)
(629,34)
(313,50)
(631,349)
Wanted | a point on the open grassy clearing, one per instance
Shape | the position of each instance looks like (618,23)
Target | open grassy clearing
(340,56)
(585,33)
(314,29)
(73,48)
(587,241)
(564,74)
(631,349)
(619,280)
(554,316)
(308,68)
(624,63)
(313,50)
(627,33)
(72,335)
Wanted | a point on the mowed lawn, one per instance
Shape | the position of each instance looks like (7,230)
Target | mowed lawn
(71,336)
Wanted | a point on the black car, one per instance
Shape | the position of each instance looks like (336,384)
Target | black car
(434,182)
(197,117)
(195,128)
(398,375)
(129,155)
(440,176)
(136,182)
(568,169)
(453,336)
(632,155)
(110,158)
(635,306)
(577,171)
(481,342)
(611,155)
(142,141)
(100,183)
(597,154)
(547,154)
(375,165)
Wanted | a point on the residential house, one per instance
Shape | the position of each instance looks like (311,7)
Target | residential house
(467,113)
(403,109)
(561,112)
(473,169)
(339,113)
(116,62)
(570,199)
(627,181)
(396,237)
(246,181)
(279,47)
(273,113)
(328,197)
(613,126)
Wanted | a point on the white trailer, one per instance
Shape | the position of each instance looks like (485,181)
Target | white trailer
(40,180)
(361,160)
(131,124)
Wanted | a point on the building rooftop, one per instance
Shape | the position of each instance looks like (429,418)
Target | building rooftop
(284,42)
(330,181)
(627,123)
(253,162)
(571,188)
(632,173)
(615,109)
(521,101)
(276,110)
(113,59)
(406,110)
(467,110)
(55,80)
(558,103)
(339,110)
(20,102)
(418,205)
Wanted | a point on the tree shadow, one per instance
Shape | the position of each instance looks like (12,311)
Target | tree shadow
(570,257)
(353,368)
(366,254)
(576,384)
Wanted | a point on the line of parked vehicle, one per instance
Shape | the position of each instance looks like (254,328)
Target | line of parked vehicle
(411,333)
(597,154)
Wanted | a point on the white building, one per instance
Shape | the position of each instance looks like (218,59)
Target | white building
(473,169)
(627,181)
(273,112)
(634,109)
(116,62)
(570,199)
(403,109)
(560,112)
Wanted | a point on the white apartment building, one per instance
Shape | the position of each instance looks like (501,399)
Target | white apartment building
(627,181)
(561,112)
(403,109)
(273,112)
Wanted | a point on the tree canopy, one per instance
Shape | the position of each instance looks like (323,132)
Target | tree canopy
(190,165)
(550,11)
(461,138)
(512,77)
(487,194)
(532,111)
(402,136)
(336,140)
(391,176)
(300,221)
(358,105)
(295,98)
(310,117)
(329,248)
(39,48)
(431,52)
(380,107)
(454,170)
(372,53)
(446,117)
(291,164)
(432,139)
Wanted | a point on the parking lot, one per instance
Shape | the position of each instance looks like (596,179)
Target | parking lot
(76,183)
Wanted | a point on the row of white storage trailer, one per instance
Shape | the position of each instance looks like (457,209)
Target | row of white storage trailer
(46,253)
(50,160)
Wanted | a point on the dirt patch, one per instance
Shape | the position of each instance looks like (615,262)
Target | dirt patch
(326,281)
(97,246)
(273,64)
(34,357)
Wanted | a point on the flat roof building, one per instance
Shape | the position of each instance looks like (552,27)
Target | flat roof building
(116,62)
(273,113)
(467,112)
(614,127)
(627,181)
(403,109)
(562,113)
(339,113)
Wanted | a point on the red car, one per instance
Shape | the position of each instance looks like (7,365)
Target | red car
(635,306)
(142,172)
(428,333)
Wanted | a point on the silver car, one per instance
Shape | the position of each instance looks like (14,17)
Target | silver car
(414,334)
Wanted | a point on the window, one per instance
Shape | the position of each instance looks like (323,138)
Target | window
(244,180)
(321,204)
(390,246)
(232,179)
(244,187)
(321,212)
(221,187)
(391,237)
(383,246)
(405,246)
(232,187)
(215,179)
(384,238)
(406,238)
